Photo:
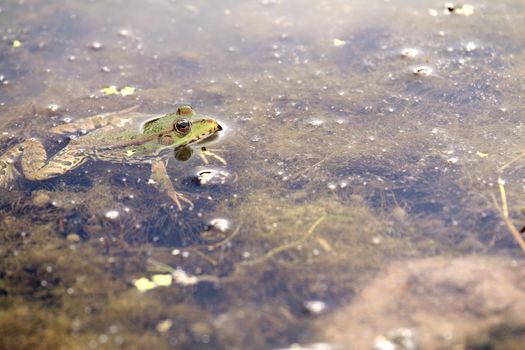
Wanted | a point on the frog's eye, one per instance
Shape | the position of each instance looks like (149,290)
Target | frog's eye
(182,126)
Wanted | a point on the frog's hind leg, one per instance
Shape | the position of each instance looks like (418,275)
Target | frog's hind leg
(8,172)
(36,165)
(162,181)
(94,122)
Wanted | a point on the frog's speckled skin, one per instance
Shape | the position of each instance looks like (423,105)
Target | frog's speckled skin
(111,137)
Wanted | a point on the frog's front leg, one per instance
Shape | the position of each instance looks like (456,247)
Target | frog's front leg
(94,122)
(36,165)
(162,181)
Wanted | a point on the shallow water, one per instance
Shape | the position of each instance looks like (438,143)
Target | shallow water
(340,161)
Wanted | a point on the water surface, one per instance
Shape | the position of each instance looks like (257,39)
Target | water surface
(341,160)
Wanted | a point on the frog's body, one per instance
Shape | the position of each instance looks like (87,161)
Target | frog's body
(114,138)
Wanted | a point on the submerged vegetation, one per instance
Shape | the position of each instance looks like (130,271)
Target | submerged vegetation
(365,157)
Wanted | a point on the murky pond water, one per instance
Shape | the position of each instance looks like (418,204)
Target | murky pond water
(355,199)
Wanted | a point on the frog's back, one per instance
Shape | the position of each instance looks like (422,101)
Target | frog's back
(106,137)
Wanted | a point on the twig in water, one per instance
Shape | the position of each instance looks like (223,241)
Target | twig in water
(504,211)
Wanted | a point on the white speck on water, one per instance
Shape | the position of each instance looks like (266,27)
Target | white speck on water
(112,214)
(220,224)
(316,122)
(422,71)
(452,160)
(409,53)
(315,307)
(96,45)
(175,252)
(433,12)
(53,107)
(470,46)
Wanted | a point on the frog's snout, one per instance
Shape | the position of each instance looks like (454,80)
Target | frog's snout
(219,127)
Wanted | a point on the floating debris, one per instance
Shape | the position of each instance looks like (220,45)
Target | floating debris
(316,122)
(162,280)
(16,44)
(96,46)
(482,154)
(339,42)
(423,71)
(124,33)
(409,53)
(470,46)
(164,326)
(112,214)
(113,90)
(110,90)
(127,90)
(143,284)
(399,339)
(73,238)
(53,107)
(220,224)
(71,58)
(41,199)
(465,10)
(314,307)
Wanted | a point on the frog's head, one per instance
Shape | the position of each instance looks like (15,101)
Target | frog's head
(160,124)
(186,131)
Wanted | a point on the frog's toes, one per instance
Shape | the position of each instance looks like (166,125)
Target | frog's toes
(8,173)
(205,153)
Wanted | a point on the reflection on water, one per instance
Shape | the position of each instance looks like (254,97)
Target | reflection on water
(359,154)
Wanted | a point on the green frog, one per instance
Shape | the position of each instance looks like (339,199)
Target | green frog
(118,137)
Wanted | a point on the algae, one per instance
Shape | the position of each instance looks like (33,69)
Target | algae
(340,161)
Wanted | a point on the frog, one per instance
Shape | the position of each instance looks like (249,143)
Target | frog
(117,137)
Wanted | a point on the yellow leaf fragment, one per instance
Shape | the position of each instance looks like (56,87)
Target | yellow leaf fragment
(164,326)
(465,10)
(110,90)
(127,90)
(481,154)
(324,244)
(162,280)
(17,43)
(339,42)
(143,284)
